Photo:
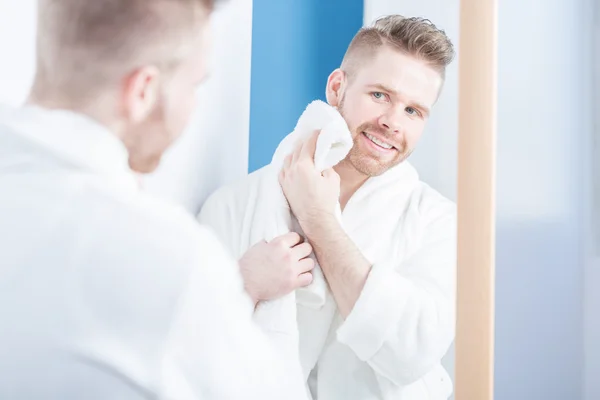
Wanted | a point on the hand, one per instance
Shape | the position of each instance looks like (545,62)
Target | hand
(274,269)
(312,196)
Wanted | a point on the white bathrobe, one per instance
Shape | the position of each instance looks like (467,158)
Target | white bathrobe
(391,345)
(107,293)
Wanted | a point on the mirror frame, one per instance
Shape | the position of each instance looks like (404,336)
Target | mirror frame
(474,368)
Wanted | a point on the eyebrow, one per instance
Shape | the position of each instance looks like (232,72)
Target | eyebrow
(393,92)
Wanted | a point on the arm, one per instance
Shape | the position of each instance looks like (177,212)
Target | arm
(399,320)
(343,265)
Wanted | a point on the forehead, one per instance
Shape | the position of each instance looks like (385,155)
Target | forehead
(402,73)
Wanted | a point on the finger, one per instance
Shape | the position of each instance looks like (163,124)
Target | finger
(281,177)
(302,250)
(289,239)
(304,279)
(287,161)
(297,150)
(310,146)
(305,265)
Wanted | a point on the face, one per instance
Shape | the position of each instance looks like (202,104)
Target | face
(159,106)
(386,104)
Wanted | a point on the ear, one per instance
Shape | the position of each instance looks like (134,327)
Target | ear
(336,84)
(141,93)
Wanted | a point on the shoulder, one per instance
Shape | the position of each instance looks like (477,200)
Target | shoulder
(430,207)
(156,231)
(235,196)
(240,187)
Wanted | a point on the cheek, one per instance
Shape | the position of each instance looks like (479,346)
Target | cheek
(180,108)
(360,111)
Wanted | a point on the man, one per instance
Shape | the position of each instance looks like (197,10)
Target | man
(106,293)
(391,266)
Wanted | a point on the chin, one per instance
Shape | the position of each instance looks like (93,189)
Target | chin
(369,167)
(146,166)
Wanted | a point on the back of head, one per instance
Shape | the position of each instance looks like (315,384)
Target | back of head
(414,36)
(86,46)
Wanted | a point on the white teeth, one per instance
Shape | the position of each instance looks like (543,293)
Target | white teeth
(378,142)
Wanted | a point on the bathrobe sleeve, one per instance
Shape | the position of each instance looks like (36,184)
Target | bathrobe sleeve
(218,214)
(404,320)
(225,356)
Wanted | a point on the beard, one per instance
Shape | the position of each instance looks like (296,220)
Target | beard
(364,161)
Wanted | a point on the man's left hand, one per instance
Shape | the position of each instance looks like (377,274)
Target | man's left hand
(312,196)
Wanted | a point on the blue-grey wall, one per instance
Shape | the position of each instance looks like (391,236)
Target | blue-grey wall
(295,46)
(543,121)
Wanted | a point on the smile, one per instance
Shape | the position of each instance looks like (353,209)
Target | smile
(378,142)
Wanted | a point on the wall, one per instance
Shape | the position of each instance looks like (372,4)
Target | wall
(17,46)
(544,122)
(295,46)
(214,149)
(592,272)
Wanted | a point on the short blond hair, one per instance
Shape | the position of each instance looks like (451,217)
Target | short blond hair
(84,45)
(415,36)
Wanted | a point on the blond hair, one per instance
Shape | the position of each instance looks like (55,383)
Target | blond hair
(415,36)
(85,45)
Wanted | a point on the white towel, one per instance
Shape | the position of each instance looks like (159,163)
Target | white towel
(333,144)
(272,217)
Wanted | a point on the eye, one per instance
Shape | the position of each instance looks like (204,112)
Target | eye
(378,95)
(412,111)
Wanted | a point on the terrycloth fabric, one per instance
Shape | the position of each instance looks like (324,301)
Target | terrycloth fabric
(272,216)
(108,293)
(391,344)
(333,144)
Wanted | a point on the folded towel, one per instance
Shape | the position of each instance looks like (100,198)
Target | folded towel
(273,218)
(333,144)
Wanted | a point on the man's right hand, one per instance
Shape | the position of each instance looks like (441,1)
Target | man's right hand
(274,269)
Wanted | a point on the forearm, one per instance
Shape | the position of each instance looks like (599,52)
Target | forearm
(342,263)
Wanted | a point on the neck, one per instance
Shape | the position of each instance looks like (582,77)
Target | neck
(350,181)
(94,111)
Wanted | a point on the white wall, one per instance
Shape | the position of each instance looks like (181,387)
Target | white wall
(17,47)
(544,129)
(214,149)
(592,272)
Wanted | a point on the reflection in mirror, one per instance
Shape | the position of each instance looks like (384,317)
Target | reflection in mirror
(378,318)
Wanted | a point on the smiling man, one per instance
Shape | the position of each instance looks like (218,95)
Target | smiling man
(390,264)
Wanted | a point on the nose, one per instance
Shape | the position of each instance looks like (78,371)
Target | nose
(391,121)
